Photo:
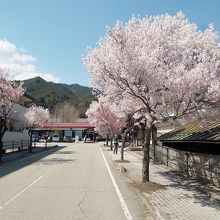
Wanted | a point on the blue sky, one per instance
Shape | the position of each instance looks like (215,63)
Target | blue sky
(48,37)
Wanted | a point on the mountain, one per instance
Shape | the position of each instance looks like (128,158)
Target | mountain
(83,92)
(49,94)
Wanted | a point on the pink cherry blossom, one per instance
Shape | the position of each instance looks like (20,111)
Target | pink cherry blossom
(105,121)
(159,68)
(10,93)
(36,117)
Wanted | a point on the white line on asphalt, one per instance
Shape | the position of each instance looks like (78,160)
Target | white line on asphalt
(122,202)
(31,184)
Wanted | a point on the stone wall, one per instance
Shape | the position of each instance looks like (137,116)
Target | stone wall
(204,167)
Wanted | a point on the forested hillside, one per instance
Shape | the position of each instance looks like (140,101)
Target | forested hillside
(55,95)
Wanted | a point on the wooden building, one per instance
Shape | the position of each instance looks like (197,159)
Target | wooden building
(194,137)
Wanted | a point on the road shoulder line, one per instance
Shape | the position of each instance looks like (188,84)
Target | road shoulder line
(121,200)
(31,184)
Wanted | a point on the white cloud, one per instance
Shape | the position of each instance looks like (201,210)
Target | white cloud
(49,77)
(23,58)
(7,47)
(19,63)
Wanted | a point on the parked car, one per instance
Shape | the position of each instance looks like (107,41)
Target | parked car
(35,138)
(55,137)
(67,139)
(42,138)
(100,138)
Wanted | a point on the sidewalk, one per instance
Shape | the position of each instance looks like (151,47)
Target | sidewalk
(182,199)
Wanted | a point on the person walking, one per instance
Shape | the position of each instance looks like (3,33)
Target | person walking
(116,144)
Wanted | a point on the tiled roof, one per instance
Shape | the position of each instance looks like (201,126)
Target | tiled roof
(194,132)
(68,125)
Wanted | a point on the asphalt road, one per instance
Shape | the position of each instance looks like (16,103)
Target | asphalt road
(67,182)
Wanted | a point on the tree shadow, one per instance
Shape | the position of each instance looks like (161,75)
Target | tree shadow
(65,152)
(203,167)
(202,194)
(25,159)
(54,161)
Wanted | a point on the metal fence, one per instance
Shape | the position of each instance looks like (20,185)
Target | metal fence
(202,166)
(11,146)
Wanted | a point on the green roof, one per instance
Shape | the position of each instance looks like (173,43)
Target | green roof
(194,132)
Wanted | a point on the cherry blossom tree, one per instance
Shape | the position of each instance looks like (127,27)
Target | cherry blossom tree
(10,93)
(126,114)
(162,66)
(36,117)
(105,121)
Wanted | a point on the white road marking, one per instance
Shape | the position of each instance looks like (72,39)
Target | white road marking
(122,202)
(31,184)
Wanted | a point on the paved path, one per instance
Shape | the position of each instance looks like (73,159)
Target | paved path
(181,200)
(67,182)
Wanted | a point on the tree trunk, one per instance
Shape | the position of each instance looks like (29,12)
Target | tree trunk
(85,137)
(47,137)
(111,144)
(146,157)
(107,140)
(123,143)
(94,137)
(31,141)
(3,128)
(122,147)
(154,140)
(143,131)
(1,148)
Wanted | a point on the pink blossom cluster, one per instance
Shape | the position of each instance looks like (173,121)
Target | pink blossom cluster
(10,93)
(36,117)
(104,120)
(158,68)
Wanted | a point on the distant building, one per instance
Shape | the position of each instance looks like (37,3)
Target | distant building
(80,127)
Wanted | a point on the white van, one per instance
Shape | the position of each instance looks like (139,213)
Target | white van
(55,138)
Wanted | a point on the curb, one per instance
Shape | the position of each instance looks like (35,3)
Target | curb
(155,214)
(145,199)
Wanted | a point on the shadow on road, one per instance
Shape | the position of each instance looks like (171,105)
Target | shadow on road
(65,152)
(12,165)
(54,161)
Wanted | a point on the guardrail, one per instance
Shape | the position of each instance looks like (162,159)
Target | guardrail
(10,146)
